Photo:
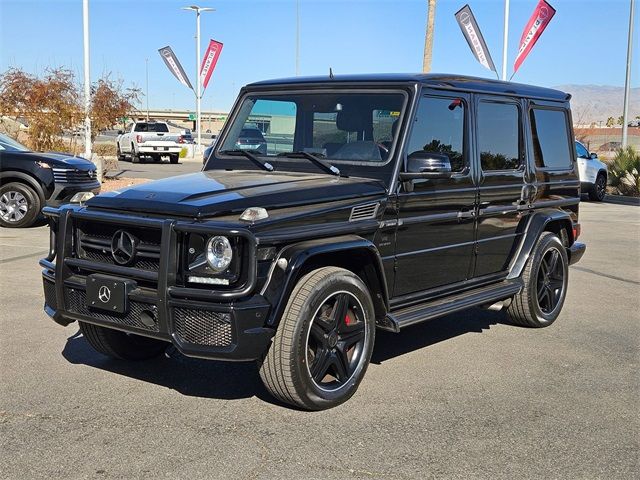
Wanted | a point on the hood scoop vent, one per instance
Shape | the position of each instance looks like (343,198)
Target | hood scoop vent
(364,212)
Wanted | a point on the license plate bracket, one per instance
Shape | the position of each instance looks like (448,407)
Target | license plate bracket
(108,293)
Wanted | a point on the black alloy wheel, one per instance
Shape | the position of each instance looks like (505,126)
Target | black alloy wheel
(550,282)
(322,346)
(544,284)
(335,341)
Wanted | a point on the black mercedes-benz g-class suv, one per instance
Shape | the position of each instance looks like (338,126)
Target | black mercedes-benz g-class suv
(381,201)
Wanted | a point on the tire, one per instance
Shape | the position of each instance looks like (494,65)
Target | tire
(314,336)
(541,300)
(119,154)
(121,345)
(174,158)
(19,205)
(135,157)
(599,189)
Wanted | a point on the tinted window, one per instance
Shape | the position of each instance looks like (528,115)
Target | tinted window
(499,136)
(550,138)
(581,151)
(439,128)
(251,133)
(151,127)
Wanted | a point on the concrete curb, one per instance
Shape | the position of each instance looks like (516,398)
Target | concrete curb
(622,200)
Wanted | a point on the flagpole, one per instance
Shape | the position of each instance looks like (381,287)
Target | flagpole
(505,39)
(627,83)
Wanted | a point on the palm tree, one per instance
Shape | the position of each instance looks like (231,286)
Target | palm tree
(428,38)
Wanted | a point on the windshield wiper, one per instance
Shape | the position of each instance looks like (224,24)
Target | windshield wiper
(251,155)
(326,166)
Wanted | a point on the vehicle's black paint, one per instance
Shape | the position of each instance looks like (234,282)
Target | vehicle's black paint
(431,246)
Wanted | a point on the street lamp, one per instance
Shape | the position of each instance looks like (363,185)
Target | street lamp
(198,10)
(87,80)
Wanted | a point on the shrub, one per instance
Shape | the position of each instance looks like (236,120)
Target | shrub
(624,171)
(104,149)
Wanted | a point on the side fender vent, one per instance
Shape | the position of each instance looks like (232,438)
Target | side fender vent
(364,212)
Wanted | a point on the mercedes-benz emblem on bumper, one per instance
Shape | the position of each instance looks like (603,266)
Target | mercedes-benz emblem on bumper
(104,294)
(123,247)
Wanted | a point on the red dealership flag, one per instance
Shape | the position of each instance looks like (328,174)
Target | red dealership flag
(541,17)
(209,61)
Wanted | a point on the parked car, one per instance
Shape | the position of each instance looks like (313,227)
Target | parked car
(29,180)
(251,139)
(610,147)
(429,203)
(149,140)
(208,150)
(593,173)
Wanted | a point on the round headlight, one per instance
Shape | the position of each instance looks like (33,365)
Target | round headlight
(219,253)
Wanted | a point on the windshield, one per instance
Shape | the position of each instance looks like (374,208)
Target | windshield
(151,127)
(9,144)
(340,126)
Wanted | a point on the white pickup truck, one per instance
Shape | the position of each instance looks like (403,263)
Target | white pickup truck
(149,139)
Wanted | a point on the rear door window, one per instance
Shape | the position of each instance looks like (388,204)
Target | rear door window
(499,136)
(550,133)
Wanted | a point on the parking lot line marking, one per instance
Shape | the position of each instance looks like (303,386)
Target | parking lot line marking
(21,257)
(612,277)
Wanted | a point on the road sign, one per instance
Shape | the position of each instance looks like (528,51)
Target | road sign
(192,116)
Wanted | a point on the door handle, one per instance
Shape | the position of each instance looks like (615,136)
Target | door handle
(466,213)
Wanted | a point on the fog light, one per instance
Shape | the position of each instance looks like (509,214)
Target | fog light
(81,197)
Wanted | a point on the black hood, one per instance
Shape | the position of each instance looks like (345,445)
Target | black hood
(218,192)
(57,159)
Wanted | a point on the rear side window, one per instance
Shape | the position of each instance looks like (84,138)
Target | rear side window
(499,136)
(550,138)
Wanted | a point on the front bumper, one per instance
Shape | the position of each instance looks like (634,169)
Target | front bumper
(198,322)
(63,192)
(576,251)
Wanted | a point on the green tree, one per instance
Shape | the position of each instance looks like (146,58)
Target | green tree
(620,120)
(610,122)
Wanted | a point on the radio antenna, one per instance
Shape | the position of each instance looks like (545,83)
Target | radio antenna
(330,73)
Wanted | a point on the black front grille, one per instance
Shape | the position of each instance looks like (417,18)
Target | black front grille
(94,243)
(76,303)
(50,294)
(71,175)
(203,327)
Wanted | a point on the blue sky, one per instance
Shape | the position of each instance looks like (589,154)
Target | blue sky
(584,44)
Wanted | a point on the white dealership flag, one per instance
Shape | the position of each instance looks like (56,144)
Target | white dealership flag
(174,66)
(209,62)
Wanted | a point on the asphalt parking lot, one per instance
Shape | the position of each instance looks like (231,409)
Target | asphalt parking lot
(155,171)
(466,396)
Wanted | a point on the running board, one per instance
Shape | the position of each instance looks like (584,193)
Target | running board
(403,317)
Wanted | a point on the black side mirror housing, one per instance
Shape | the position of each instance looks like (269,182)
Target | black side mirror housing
(424,165)
(120,132)
(593,156)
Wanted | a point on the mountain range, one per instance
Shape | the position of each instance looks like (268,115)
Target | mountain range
(595,103)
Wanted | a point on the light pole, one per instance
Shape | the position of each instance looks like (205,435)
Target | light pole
(198,9)
(146,62)
(87,81)
(627,82)
(428,38)
(297,37)
(505,39)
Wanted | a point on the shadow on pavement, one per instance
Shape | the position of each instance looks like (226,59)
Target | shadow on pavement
(390,345)
(230,380)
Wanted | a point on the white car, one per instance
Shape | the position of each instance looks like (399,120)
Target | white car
(593,173)
(149,139)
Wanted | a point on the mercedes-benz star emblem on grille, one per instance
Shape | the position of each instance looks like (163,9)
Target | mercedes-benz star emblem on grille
(104,294)
(123,247)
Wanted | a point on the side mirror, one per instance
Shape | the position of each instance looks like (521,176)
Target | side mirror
(120,132)
(422,165)
(593,156)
